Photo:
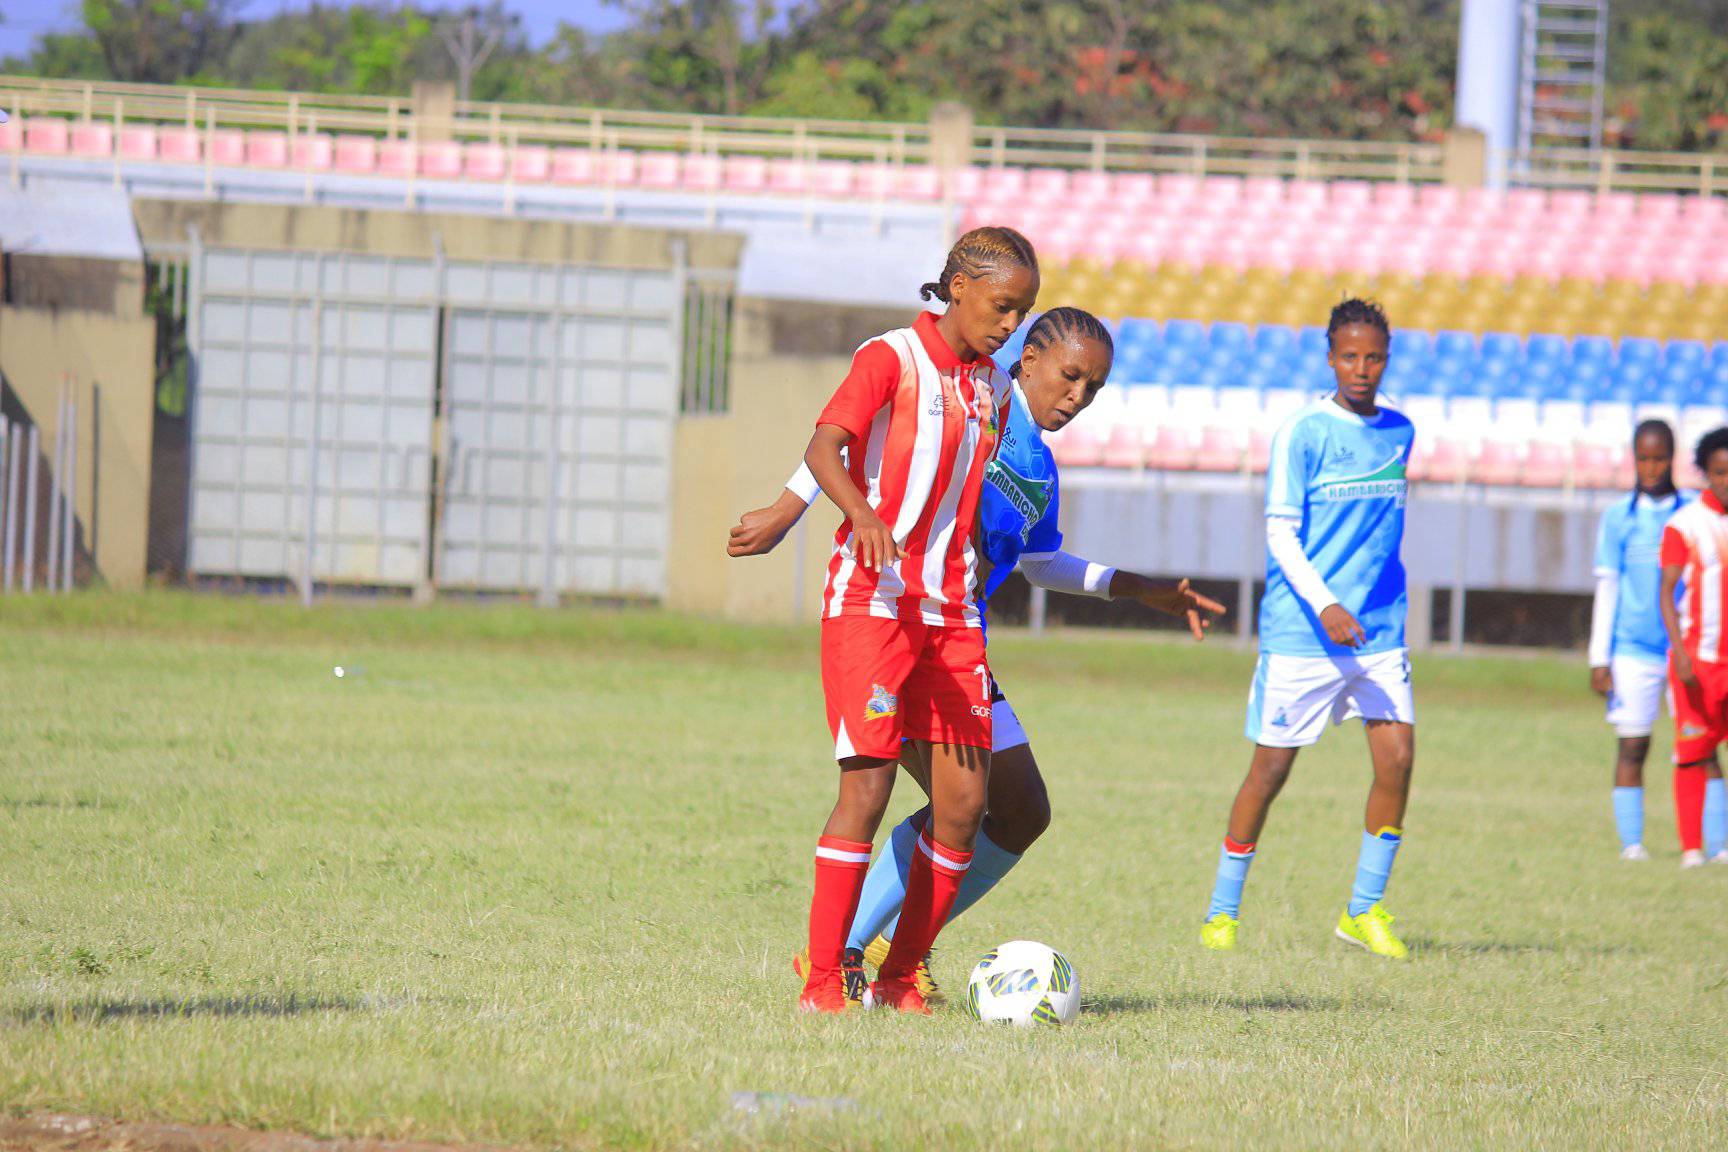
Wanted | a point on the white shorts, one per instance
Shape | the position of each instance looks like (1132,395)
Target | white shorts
(1006,731)
(1640,685)
(1293,697)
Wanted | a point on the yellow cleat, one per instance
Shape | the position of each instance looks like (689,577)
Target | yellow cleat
(1219,933)
(851,972)
(1372,930)
(877,951)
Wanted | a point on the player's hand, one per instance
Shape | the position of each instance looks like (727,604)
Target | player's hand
(1601,682)
(1683,669)
(1182,600)
(1342,627)
(873,543)
(759,530)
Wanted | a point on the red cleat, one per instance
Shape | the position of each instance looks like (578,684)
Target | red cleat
(900,995)
(825,996)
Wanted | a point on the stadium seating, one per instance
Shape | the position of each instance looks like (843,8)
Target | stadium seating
(1499,408)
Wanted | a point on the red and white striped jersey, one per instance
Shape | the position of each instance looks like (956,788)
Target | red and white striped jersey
(923,424)
(1696,540)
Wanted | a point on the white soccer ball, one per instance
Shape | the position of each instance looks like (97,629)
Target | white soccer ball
(1024,982)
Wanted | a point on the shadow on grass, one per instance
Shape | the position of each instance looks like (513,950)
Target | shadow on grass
(174,1006)
(1428,944)
(1275,1002)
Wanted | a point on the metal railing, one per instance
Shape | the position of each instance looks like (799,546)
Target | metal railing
(898,144)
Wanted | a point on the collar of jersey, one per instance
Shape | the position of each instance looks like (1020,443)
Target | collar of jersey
(1332,408)
(1657,502)
(937,348)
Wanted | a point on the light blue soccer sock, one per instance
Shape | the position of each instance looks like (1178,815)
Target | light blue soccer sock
(1715,817)
(1233,861)
(1374,868)
(1629,813)
(990,862)
(885,883)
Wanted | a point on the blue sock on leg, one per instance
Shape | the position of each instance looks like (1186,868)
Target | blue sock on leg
(1629,814)
(1715,817)
(1233,861)
(1374,868)
(885,883)
(990,863)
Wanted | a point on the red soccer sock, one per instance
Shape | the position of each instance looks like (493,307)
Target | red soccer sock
(840,868)
(931,885)
(1689,807)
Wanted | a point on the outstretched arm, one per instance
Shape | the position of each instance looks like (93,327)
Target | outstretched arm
(759,530)
(1065,572)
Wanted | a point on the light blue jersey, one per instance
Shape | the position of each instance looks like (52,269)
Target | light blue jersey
(1627,546)
(1018,509)
(1342,476)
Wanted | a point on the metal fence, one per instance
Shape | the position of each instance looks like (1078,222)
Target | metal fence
(39,530)
(212,109)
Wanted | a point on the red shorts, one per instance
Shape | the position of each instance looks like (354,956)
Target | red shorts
(885,680)
(1701,713)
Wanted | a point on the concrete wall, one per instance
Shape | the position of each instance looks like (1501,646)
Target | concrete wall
(111,361)
(787,361)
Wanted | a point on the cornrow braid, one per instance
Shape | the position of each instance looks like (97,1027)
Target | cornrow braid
(1354,310)
(982,250)
(1060,324)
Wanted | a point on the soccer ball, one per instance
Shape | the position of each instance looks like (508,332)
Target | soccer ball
(1024,982)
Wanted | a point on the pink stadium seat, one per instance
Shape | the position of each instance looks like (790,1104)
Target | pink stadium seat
(919,182)
(1004,183)
(1047,184)
(617,168)
(575,166)
(138,143)
(11,135)
(49,136)
(1093,186)
(397,158)
(1526,203)
(1704,209)
(1259,451)
(834,178)
(703,173)
(1076,447)
(963,183)
(1658,206)
(1395,199)
(483,161)
(1594,466)
(267,149)
(1569,205)
(1263,190)
(787,177)
(441,159)
(1546,466)
(357,155)
(314,152)
(1615,206)
(1351,195)
(531,163)
(92,140)
(1444,463)
(659,170)
(1125,448)
(1306,196)
(1220,450)
(1135,187)
(1498,463)
(746,174)
(1439,199)
(180,145)
(225,146)
(1172,448)
(874,181)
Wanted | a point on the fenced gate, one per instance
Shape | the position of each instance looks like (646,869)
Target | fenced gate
(496,426)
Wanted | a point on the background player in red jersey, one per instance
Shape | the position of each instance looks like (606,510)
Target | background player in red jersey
(1695,548)
(902,647)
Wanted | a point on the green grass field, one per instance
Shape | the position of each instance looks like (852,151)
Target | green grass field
(534,879)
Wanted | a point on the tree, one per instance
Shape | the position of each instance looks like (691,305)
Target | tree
(471,36)
(158,41)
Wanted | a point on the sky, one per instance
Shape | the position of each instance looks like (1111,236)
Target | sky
(27,19)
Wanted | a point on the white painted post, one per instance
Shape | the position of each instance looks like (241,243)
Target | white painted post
(32,447)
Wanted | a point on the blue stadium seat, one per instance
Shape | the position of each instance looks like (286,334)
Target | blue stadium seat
(1230,335)
(1502,346)
(1185,334)
(1411,344)
(1311,343)
(1639,350)
(1141,333)
(1719,354)
(1455,345)
(1692,353)
(1276,339)
(1568,386)
(1592,349)
(1546,347)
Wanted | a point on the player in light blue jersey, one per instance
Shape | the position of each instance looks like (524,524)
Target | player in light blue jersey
(1065,362)
(1629,645)
(1332,622)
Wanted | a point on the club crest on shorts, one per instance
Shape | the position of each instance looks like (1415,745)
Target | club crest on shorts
(883,703)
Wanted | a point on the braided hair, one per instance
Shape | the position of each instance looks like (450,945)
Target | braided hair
(1354,310)
(978,252)
(1060,324)
(1709,444)
(1661,430)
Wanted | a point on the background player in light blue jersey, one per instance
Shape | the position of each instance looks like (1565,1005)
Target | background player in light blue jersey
(1332,622)
(1065,362)
(1629,645)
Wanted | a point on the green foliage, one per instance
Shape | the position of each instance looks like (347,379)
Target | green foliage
(1356,69)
